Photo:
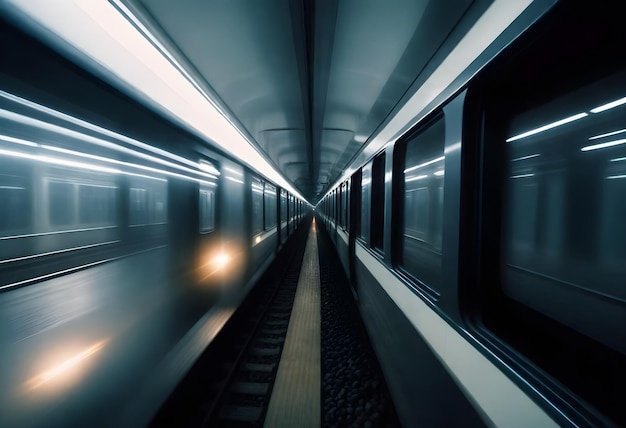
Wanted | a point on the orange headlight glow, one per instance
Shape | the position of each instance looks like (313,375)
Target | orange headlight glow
(63,370)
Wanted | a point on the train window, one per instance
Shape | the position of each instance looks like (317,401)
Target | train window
(97,204)
(553,209)
(61,203)
(15,197)
(138,206)
(423,172)
(366,181)
(345,195)
(378,201)
(564,235)
(147,202)
(269,197)
(283,207)
(257,206)
(207,210)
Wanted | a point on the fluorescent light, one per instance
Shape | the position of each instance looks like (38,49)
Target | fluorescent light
(415,178)
(603,145)
(547,127)
(522,176)
(491,24)
(107,38)
(608,134)
(413,168)
(608,106)
(525,157)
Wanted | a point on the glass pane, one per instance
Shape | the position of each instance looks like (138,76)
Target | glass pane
(257,206)
(97,204)
(564,234)
(423,205)
(61,203)
(378,202)
(270,206)
(15,197)
(366,181)
(138,207)
(207,210)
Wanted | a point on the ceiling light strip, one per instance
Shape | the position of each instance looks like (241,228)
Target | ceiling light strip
(114,47)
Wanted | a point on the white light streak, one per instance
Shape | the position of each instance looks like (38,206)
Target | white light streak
(110,43)
(439,173)
(547,127)
(603,145)
(422,165)
(88,125)
(29,121)
(616,177)
(232,170)
(523,176)
(58,161)
(525,157)
(415,178)
(234,179)
(608,134)
(609,106)
(14,140)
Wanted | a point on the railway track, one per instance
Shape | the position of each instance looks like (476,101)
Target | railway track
(231,383)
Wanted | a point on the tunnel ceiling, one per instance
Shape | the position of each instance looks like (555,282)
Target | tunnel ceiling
(309,81)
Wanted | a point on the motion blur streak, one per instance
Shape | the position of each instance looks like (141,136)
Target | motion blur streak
(65,368)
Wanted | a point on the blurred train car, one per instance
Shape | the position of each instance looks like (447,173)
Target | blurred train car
(485,245)
(125,244)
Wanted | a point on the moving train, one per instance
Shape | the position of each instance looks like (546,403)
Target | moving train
(125,244)
(485,245)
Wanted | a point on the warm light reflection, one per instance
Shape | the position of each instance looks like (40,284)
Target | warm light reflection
(217,263)
(220,260)
(313,225)
(64,369)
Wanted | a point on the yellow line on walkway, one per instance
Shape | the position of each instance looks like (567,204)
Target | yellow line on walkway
(295,400)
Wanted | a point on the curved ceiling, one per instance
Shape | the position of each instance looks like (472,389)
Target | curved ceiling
(310,82)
